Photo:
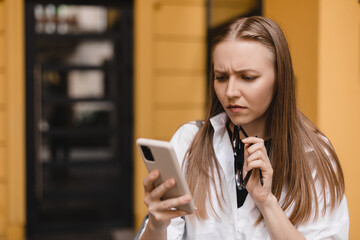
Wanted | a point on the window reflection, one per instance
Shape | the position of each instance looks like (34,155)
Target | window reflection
(70,19)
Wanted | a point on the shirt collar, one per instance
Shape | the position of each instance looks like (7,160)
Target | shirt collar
(219,121)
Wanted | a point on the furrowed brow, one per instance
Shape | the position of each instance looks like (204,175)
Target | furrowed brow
(219,71)
(246,71)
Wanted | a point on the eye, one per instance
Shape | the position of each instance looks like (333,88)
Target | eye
(248,78)
(221,78)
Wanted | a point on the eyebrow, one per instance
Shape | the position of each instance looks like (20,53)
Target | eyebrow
(238,71)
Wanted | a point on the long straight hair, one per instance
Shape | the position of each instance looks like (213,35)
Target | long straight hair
(298,146)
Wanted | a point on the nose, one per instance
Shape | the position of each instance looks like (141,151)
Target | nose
(233,88)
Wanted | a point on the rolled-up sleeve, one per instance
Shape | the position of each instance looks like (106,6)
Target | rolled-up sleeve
(175,230)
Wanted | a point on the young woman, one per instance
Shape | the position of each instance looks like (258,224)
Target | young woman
(257,168)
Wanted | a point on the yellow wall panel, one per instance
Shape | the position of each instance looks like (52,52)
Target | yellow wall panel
(2,50)
(2,126)
(339,92)
(181,2)
(2,210)
(324,38)
(3,192)
(180,89)
(167,121)
(299,20)
(180,20)
(143,95)
(180,56)
(2,88)
(15,119)
(2,163)
(2,14)
(15,232)
(169,70)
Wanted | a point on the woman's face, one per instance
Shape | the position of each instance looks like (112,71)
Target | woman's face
(244,82)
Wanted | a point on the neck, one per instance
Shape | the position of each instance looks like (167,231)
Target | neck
(252,130)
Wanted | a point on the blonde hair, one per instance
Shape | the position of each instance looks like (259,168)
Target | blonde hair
(291,133)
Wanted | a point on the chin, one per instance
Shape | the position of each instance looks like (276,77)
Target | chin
(239,120)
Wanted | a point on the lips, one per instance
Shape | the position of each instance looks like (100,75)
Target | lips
(236,108)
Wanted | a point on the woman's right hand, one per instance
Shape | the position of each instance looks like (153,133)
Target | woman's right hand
(162,211)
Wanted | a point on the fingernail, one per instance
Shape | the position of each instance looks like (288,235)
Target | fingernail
(187,198)
(171,182)
(154,174)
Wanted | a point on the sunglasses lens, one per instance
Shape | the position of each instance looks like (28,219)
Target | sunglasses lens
(239,182)
(238,149)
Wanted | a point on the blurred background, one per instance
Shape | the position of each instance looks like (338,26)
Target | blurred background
(80,81)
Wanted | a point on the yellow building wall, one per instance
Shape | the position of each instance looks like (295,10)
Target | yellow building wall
(2,124)
(299,21)
(324,38)
(12,117)
(170,74)
(170,45)
(339,92)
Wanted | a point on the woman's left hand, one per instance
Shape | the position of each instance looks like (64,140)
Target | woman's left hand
(256,159)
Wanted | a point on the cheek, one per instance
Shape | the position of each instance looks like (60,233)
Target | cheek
(263,95)
(268,95)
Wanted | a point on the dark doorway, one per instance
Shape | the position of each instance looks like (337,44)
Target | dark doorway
(78,115)
(221,13)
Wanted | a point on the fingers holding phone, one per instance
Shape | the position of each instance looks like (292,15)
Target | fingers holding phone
(167,195)
(162,211)
(168,181)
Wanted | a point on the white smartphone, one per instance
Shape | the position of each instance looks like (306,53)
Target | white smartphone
(160,155)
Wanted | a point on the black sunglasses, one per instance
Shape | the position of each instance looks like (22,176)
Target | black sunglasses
(239,157)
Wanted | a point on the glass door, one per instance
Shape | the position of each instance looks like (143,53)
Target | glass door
(79,115)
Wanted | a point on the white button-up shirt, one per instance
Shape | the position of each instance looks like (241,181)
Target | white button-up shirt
(239,223)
